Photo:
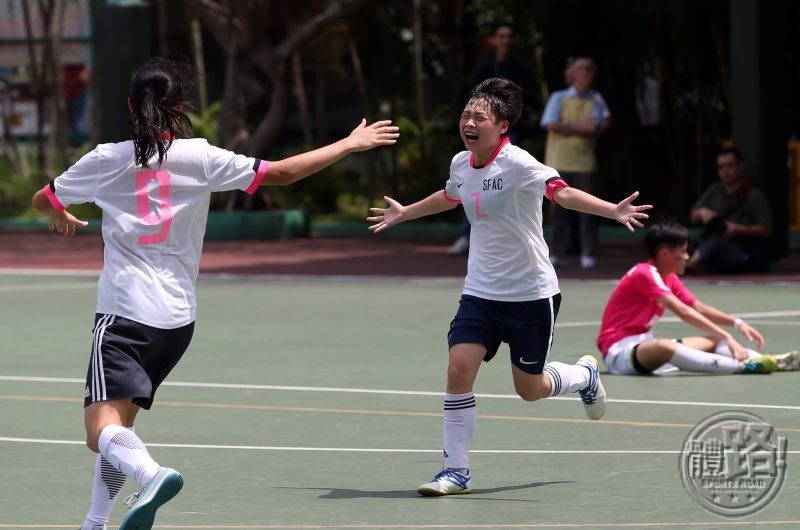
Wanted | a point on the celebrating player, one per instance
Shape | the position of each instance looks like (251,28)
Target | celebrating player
(511,291)
(640,299)
(154,192)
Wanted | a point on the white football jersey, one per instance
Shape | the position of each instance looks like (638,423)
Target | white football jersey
(508,257)
(153,222)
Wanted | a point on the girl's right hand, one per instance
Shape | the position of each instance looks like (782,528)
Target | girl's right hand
(386,217)
(379,133)
(738,351)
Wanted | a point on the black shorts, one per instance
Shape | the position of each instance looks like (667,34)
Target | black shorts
(527,328)
(131,360)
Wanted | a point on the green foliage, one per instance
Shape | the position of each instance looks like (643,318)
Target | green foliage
(206,123)
(425,151)
(17,189)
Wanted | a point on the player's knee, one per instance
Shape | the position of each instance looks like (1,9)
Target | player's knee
(666,345)
(533,390)
(458,371)
(92,443)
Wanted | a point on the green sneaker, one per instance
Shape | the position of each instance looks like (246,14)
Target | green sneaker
(766,364)
(789,361)
(143,504)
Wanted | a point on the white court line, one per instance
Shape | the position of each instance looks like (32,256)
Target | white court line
(49,272)
(224,276)
(371,449)
(343,390)
(756,314)
(22,271)
(46,287)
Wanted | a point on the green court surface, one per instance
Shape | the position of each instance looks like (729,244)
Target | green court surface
(314,404)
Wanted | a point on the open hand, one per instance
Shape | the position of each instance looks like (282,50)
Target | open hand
(738,351)
(752,334)
(366,136)
(386,217)
(65,223)
(629,214)
(706,214)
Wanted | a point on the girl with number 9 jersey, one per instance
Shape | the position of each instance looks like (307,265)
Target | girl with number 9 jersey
(154,191)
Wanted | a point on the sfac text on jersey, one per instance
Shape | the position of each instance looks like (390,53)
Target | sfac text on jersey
(492,184)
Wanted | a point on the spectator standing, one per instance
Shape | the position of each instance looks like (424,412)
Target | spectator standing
(574,118)
(737,221)
(502,64)
(75,86)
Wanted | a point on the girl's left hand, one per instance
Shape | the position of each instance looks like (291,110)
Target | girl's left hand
(65,223)
(629,214)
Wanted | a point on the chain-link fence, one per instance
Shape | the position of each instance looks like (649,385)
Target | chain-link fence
(45,56)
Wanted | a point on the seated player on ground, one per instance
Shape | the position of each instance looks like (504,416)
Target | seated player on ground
(639,300)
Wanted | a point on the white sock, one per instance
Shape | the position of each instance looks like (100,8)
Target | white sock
(722,349)
(460,419)
(693,360)
(106,485)
(126,452)
(565,378)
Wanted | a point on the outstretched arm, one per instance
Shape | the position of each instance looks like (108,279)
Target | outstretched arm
(695,318)
(624,212)
(363,137)
(722,318)
(397,213)
(61,221)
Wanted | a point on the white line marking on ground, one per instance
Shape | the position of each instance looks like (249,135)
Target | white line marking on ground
(50,272)
(460,526)
(370,449)
(45,287)
(22,271)
(758,314)
(233,386)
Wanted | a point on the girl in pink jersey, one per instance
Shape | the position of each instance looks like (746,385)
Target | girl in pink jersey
(154,192)
(511,291)
(640,299)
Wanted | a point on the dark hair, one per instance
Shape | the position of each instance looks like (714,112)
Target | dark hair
(502,95)
(158,97)
(665,234)
(497,25)
(730,151)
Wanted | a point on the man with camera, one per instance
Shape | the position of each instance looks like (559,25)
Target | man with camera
(737,221)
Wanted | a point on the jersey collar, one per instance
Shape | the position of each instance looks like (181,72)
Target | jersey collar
(503,142)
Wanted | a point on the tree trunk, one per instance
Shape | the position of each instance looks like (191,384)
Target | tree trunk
(302,97)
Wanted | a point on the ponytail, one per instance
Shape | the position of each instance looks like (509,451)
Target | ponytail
(157,101)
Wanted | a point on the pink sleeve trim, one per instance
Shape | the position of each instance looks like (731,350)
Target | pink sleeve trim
(450,199)
(54,202)
(260,173)
(553,186)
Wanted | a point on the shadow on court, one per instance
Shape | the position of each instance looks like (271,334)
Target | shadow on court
(346,493)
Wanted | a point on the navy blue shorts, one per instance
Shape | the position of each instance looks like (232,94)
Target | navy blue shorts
(527,328)
(130,359)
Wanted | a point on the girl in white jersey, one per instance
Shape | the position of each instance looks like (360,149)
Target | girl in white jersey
(154,192)
(511,292)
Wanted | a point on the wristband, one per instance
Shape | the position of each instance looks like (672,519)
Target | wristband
(737,323)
